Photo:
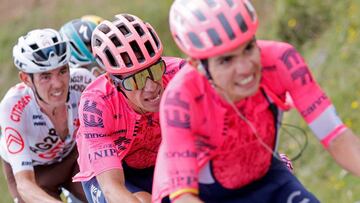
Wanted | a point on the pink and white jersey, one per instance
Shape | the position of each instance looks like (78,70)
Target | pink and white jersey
(204,140)
(28,135)
(112,132)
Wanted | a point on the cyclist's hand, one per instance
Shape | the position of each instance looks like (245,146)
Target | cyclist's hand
(188,198)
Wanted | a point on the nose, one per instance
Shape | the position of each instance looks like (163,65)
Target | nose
(57,82)
(150,85)
(244,66)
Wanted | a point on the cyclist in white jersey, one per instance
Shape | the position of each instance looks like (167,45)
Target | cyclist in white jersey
(39,119)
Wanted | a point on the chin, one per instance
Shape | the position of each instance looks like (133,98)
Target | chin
(152,109)
(58,102)
(245,94)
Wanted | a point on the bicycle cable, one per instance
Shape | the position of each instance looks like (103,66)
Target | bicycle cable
(303,145)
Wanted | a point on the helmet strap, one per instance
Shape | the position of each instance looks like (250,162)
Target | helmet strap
(204,66)
(37,93)
(117,87)
(35,89)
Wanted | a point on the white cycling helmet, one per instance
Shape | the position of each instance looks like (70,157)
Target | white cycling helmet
(41,50)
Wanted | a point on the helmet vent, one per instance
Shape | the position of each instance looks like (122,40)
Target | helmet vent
(149,48)
(123,29)
(128,17)
(34,46)
(97,42)
(250,9)
(110,58)
(139,30)
(74,47)
(200,16)
(230,3)
(115,41)
(195,40)
(179,40)
(19,64)
(211,3)
(225,24)
(126,58)
(214,36)
(137,51)
(154,38)
(240,21)
(104,28)
(55,39)
(99,61)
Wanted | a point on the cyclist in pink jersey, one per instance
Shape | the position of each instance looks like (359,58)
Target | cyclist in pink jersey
(39,120)
(220,114)
(119,132)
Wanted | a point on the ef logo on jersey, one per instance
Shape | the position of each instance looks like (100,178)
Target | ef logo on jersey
(14,141)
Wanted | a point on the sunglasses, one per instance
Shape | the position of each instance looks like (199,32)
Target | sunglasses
(137,81)
(43,54)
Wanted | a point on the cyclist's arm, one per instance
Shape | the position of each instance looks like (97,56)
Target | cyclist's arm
(18,151)
(345,149)
(29,190)
(177,119)
(187,198)
(98,133)
(318,111)
(112,183)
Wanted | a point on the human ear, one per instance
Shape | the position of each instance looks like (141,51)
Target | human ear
(25,78)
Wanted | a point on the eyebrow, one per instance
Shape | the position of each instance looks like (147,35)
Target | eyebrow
(64,68)
(45,74)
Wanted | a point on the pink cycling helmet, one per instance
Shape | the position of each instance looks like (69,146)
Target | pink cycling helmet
(206,28)
(125,45)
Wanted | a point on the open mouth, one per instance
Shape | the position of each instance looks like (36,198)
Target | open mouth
(57,94)
(247,80)
(154,98)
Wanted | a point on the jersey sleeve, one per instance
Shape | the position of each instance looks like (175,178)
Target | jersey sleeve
(309,99)
(176,167)
(14,135)
(97,138)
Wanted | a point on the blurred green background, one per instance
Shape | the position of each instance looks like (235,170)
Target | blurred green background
(326,32)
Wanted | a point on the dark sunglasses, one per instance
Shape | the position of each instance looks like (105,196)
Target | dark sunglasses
(137,81)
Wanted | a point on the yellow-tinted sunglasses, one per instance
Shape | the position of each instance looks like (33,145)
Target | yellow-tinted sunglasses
(137,81)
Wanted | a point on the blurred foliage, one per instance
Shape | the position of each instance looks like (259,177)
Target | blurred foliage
(326,32)
(332,52)
(299,21)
